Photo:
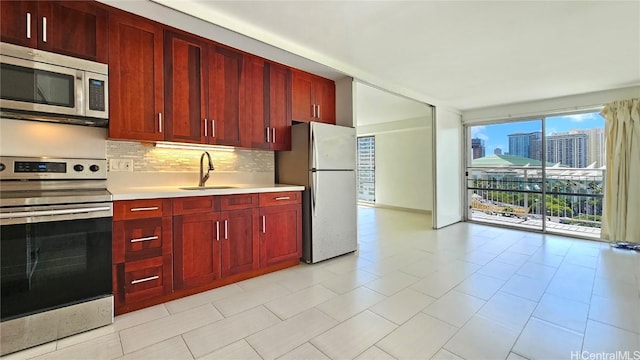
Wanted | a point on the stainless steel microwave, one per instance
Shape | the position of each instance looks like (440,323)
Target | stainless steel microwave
(40,85)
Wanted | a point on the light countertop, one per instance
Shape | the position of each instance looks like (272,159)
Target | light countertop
(152,192)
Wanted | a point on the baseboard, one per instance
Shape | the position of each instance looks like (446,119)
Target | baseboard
(383,206)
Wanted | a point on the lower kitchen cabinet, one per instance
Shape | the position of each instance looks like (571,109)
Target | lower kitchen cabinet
(164,249)
(240,247)
(196,255)
(280,234)
(141,251)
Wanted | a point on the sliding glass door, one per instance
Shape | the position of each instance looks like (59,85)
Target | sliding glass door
(541,174)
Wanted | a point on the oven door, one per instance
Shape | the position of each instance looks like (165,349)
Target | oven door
(52,259)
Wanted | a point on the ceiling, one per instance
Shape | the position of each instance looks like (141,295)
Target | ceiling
(462,54)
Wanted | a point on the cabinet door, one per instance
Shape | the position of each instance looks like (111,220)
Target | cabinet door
(279,107)
(240,246)
(185,94)
(280,234)
(18,21)
(325,91)
(253,113)
(196,249)
(74,28)
(136,99)
(302,108)
(225,71)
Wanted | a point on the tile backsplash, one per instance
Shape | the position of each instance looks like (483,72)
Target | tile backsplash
(148,158)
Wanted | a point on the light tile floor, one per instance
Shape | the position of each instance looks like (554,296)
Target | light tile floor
(467,291)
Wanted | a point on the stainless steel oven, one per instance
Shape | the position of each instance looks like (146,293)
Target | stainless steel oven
(55,247)
(39,85)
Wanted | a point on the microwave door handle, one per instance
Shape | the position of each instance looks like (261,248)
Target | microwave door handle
(80,91)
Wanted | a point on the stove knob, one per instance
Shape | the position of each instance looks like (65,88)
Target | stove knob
(2,167)
(78,167)
(94,168)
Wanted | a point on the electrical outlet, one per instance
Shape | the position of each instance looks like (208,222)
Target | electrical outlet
(121,164)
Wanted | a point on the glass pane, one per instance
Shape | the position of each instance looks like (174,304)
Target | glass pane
(366,168)
(576,149)
(504,181)
(36,86)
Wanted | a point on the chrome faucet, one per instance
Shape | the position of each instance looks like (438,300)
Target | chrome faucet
(205,177)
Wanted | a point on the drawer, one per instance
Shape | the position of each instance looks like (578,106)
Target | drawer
(195,204)
(280,198)
(238,202)
(141,238)
(139,280)
(140,209)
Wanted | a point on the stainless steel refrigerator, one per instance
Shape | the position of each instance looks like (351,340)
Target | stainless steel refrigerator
(323,159)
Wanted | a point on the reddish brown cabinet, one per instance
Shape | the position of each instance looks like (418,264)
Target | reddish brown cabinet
(214,237)
(136,86)
(196,249)
(268,98)
(185,94)
(74,28)
(224,96)
(142,251)
(280,227)
(313,98)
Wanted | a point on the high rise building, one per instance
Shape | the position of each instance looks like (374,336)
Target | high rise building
(528,145)
(568,149)
(595,146)
(477,148)
(497,151)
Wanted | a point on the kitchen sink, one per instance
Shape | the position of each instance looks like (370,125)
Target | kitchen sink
(213,187)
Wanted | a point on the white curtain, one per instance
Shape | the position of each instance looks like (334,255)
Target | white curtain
(621,214)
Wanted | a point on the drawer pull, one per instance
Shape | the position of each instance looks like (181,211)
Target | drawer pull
(264,225)
(145,208)
(283,198)
(133,282)
(148,238)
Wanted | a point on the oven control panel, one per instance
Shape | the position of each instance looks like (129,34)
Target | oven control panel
(23,168)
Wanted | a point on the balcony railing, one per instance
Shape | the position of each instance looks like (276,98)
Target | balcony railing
(569,200)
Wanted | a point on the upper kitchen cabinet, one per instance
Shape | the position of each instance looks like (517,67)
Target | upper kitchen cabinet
(279,111)
(313,98)
(74,28)
(267,112)
(185,93)
(136,88)
(224,96)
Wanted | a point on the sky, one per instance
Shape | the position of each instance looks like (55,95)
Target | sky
(496,135)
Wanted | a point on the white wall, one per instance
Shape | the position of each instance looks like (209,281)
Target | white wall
(449,157)
(559,105)
(403,163)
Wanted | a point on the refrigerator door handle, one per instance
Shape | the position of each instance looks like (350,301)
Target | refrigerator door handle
(314,151)
(314,186)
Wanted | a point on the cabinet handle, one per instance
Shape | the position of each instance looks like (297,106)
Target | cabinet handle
(213,127)
(318,111)
(28,25)
(226,229)
(283,198)
(160,122)
(264,225)
(206,125)
(217,230)
(313,107)
(44,29)
(268,135)
(273,137)
(148,238)
(133,282)
(144,209)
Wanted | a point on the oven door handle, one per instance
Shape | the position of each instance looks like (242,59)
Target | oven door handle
(24,214)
